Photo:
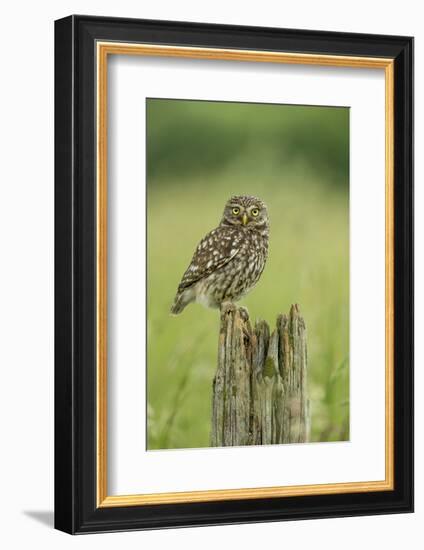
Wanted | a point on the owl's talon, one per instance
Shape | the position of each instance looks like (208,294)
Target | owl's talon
(244,313)
(227,307)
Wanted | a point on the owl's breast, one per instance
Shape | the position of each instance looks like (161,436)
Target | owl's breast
(258,248)
(234,279)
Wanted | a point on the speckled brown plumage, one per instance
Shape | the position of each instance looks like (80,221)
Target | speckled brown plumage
(230,259)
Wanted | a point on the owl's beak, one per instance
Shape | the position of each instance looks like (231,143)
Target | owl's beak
(244,218)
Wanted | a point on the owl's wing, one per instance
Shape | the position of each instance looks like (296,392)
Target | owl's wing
(215,250)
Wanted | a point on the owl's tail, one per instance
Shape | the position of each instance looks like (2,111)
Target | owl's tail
(181,300)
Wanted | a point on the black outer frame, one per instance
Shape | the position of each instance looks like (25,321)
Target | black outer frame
(75,275)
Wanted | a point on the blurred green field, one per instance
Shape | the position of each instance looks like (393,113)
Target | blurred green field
(307,198)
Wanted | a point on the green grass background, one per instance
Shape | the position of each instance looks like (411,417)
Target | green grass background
(296,159)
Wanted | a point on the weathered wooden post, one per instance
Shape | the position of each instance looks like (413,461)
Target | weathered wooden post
(260,388)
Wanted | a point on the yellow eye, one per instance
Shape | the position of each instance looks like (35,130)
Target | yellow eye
(236,211)
(254,212)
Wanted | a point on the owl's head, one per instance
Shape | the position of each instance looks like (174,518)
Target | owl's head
(247,211)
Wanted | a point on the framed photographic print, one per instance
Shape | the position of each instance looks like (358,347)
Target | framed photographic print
(234,274)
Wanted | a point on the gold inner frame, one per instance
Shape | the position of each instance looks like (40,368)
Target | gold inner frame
(104,49)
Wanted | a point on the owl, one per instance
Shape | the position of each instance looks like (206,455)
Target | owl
(230,259)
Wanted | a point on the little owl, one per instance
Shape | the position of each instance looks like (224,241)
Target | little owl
(230,259)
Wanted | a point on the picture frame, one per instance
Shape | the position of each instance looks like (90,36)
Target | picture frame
(83,45)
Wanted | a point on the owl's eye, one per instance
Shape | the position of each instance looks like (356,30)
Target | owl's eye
(254,212)
(236,211)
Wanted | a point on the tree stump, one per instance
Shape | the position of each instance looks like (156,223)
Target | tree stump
(260,388)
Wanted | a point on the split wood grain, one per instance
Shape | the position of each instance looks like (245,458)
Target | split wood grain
(260,394)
